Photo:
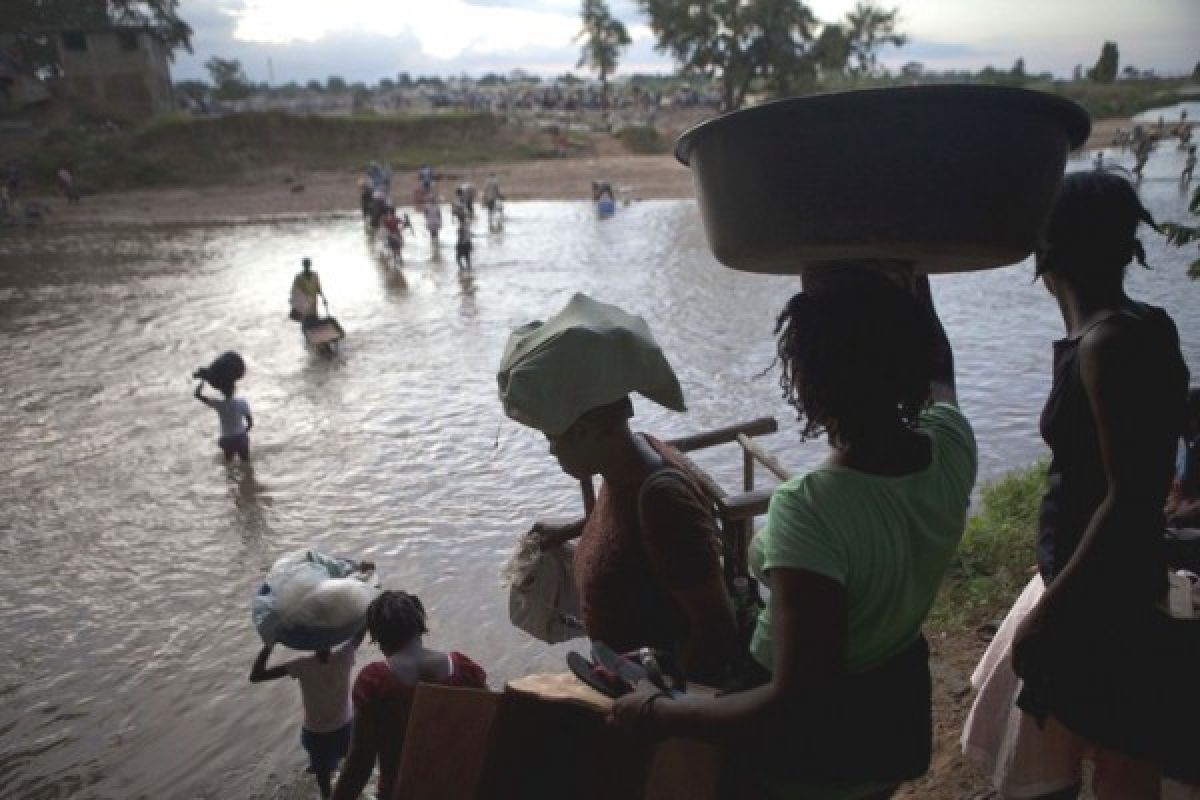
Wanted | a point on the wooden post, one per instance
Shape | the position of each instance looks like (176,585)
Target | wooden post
(763,457)
(747,468)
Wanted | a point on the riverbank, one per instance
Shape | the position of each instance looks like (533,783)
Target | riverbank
(292,192)
(285,193)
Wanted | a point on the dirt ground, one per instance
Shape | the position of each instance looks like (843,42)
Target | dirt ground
(283,194)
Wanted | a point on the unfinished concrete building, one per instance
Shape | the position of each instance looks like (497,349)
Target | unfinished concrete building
(123,72)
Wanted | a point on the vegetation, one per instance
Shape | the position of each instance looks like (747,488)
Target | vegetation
(1105,70)
(643,140)
(996,557)
(229,78)
(180,150)
(30,19)
(772,42)
(604,38)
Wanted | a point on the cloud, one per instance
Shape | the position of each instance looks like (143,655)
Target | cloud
(445,29)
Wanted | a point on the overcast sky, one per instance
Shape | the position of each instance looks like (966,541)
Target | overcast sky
(365,40)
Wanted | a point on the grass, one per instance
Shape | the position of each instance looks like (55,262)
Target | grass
(180,150)
(996,556)
(643,140)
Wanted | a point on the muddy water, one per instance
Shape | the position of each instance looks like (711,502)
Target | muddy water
(129,552)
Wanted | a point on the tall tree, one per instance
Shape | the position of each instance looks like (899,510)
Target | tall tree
(1105,70)
(868,30)
(228,77)
(735,41)
(35,22)
(604,37)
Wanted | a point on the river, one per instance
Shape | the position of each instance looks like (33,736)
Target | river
(130,553)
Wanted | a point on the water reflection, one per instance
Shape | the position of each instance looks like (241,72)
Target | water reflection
(130,553)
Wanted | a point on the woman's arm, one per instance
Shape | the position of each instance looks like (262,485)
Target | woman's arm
(809,634)
(942,386)
(360,761)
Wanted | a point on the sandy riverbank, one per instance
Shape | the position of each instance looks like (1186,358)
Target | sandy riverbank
(282,193)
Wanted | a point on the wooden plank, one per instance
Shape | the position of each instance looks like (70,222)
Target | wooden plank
(746,506)
(698,441)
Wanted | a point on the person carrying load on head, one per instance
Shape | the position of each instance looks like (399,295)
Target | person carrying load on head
(232,411)
(647,560)
(853,552)
(306,288)
(324,680)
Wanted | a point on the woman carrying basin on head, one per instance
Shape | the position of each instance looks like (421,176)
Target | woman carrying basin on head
(853,552)
(646,563)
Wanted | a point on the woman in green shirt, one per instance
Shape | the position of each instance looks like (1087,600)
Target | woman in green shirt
(853,552)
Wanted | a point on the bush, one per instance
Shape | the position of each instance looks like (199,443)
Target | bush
(642,140)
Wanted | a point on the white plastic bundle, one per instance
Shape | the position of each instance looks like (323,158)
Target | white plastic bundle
(310,601)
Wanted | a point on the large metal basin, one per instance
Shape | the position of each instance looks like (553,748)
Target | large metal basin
(951,178)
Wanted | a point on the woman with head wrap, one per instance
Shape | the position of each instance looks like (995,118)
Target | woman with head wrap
(646,564)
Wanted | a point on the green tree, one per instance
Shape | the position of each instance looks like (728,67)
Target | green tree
(868,30)
(735,42)
(228,77)
(1018,69)
(314,86)
(387,84)
(604,37)
(1196,72)
(335,83)
(1105,70)
(31,19)
(832,49)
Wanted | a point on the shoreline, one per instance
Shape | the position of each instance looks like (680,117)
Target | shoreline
(284,195)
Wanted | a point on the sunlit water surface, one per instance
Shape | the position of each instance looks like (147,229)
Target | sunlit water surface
(128,553)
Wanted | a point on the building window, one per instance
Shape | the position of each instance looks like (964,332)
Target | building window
(74,40)
(128,41)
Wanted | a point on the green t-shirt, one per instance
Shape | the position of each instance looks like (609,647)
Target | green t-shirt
(888,540)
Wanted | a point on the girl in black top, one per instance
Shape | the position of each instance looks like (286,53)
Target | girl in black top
(1097,653)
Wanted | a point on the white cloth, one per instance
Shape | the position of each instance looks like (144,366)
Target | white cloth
(325,688)
(1024,760)
(231,413)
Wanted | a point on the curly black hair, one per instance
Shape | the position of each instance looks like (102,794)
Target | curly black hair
(857,356)
(394,619)
(1092,227)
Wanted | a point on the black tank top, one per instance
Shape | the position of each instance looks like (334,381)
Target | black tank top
(1134,566)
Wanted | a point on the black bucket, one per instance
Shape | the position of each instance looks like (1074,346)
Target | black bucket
(225,370)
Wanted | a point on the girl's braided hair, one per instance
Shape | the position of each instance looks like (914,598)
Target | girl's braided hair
(395,618)
(856,357)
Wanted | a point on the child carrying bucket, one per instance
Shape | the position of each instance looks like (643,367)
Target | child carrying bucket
(233,412)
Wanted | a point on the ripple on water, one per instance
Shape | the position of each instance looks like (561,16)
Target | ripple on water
(130,551)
